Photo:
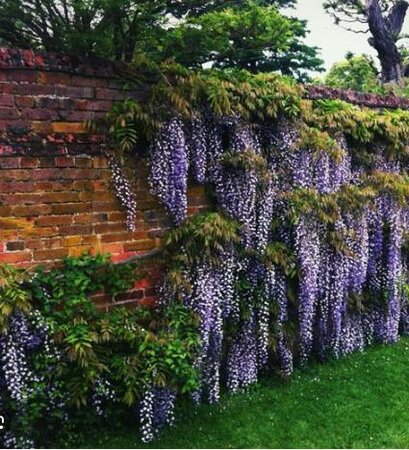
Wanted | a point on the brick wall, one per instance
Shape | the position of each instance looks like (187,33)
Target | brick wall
(55,197)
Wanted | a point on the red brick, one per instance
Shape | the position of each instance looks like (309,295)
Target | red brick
(9,113)
(70,241)
(7,100)
(53,220)
(91,218)
(95,196)
(54,78)
(116,237)
(50,254)
(15,246)
(22,76)
(105,206)
(111,228)
(81,174)
(42,127)
(22,199)
(110,94)
(9,163)
(83,162)
(32,210)
(145,244)
(60,197)
(66,230)
(71,208)
(90,240)
(67,127)
(24,101)
(27,162)
(94,105)
(15,257)
(37,114)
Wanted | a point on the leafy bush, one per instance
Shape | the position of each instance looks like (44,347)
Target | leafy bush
(65,361)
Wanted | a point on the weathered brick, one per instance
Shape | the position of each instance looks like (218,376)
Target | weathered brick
(95,196)
(22,76)
(41,127)
(54,78)
(46,174)
(7,100)
(71,208)
(70,241)
(9,163)
(9,113)
(93,105)
(110,94)
(53,220)
(111,228)
(78,116)
(105,206)
(32,210)
(27,162)
(112,248)
(75,229)
(116,237)
(37,114)
(80,250)
(92,239)
(137,246)
(15,257)
(24,101)
(68,127)
(74,174)
(5,211)
(60,197)
(50,254)
(15,246)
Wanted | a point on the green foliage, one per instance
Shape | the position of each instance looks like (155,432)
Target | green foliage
(246,161)
(319,141)
(357,72)
(255,97)
(131,348)
(13,296)
(202,237)
(251,34)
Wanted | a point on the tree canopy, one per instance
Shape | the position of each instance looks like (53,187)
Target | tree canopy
(357,72)
(384,20)
(251,34)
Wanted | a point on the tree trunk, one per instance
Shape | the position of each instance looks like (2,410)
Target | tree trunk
(385,32)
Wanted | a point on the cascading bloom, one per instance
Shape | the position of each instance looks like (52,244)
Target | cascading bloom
(169,168)
(124,193)
(256,299)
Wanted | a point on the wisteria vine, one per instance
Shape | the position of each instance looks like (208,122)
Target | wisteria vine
(346,289)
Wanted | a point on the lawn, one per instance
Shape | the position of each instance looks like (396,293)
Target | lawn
(359,401)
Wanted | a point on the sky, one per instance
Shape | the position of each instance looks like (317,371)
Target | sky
(333,40)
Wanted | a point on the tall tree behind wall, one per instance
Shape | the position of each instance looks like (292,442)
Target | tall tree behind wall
(384,20)
(251,34)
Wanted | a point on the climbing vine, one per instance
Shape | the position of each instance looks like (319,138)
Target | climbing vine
(304,256)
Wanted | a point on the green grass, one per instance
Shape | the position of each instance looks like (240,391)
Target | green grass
(361,401)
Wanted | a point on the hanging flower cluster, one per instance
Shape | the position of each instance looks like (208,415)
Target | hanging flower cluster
(345,236)
(169,168)
(124,193)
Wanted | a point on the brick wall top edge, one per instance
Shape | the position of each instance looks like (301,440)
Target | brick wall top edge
(358,98)
(11,58)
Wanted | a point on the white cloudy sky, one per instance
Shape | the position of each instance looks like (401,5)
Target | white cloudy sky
(334,41)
